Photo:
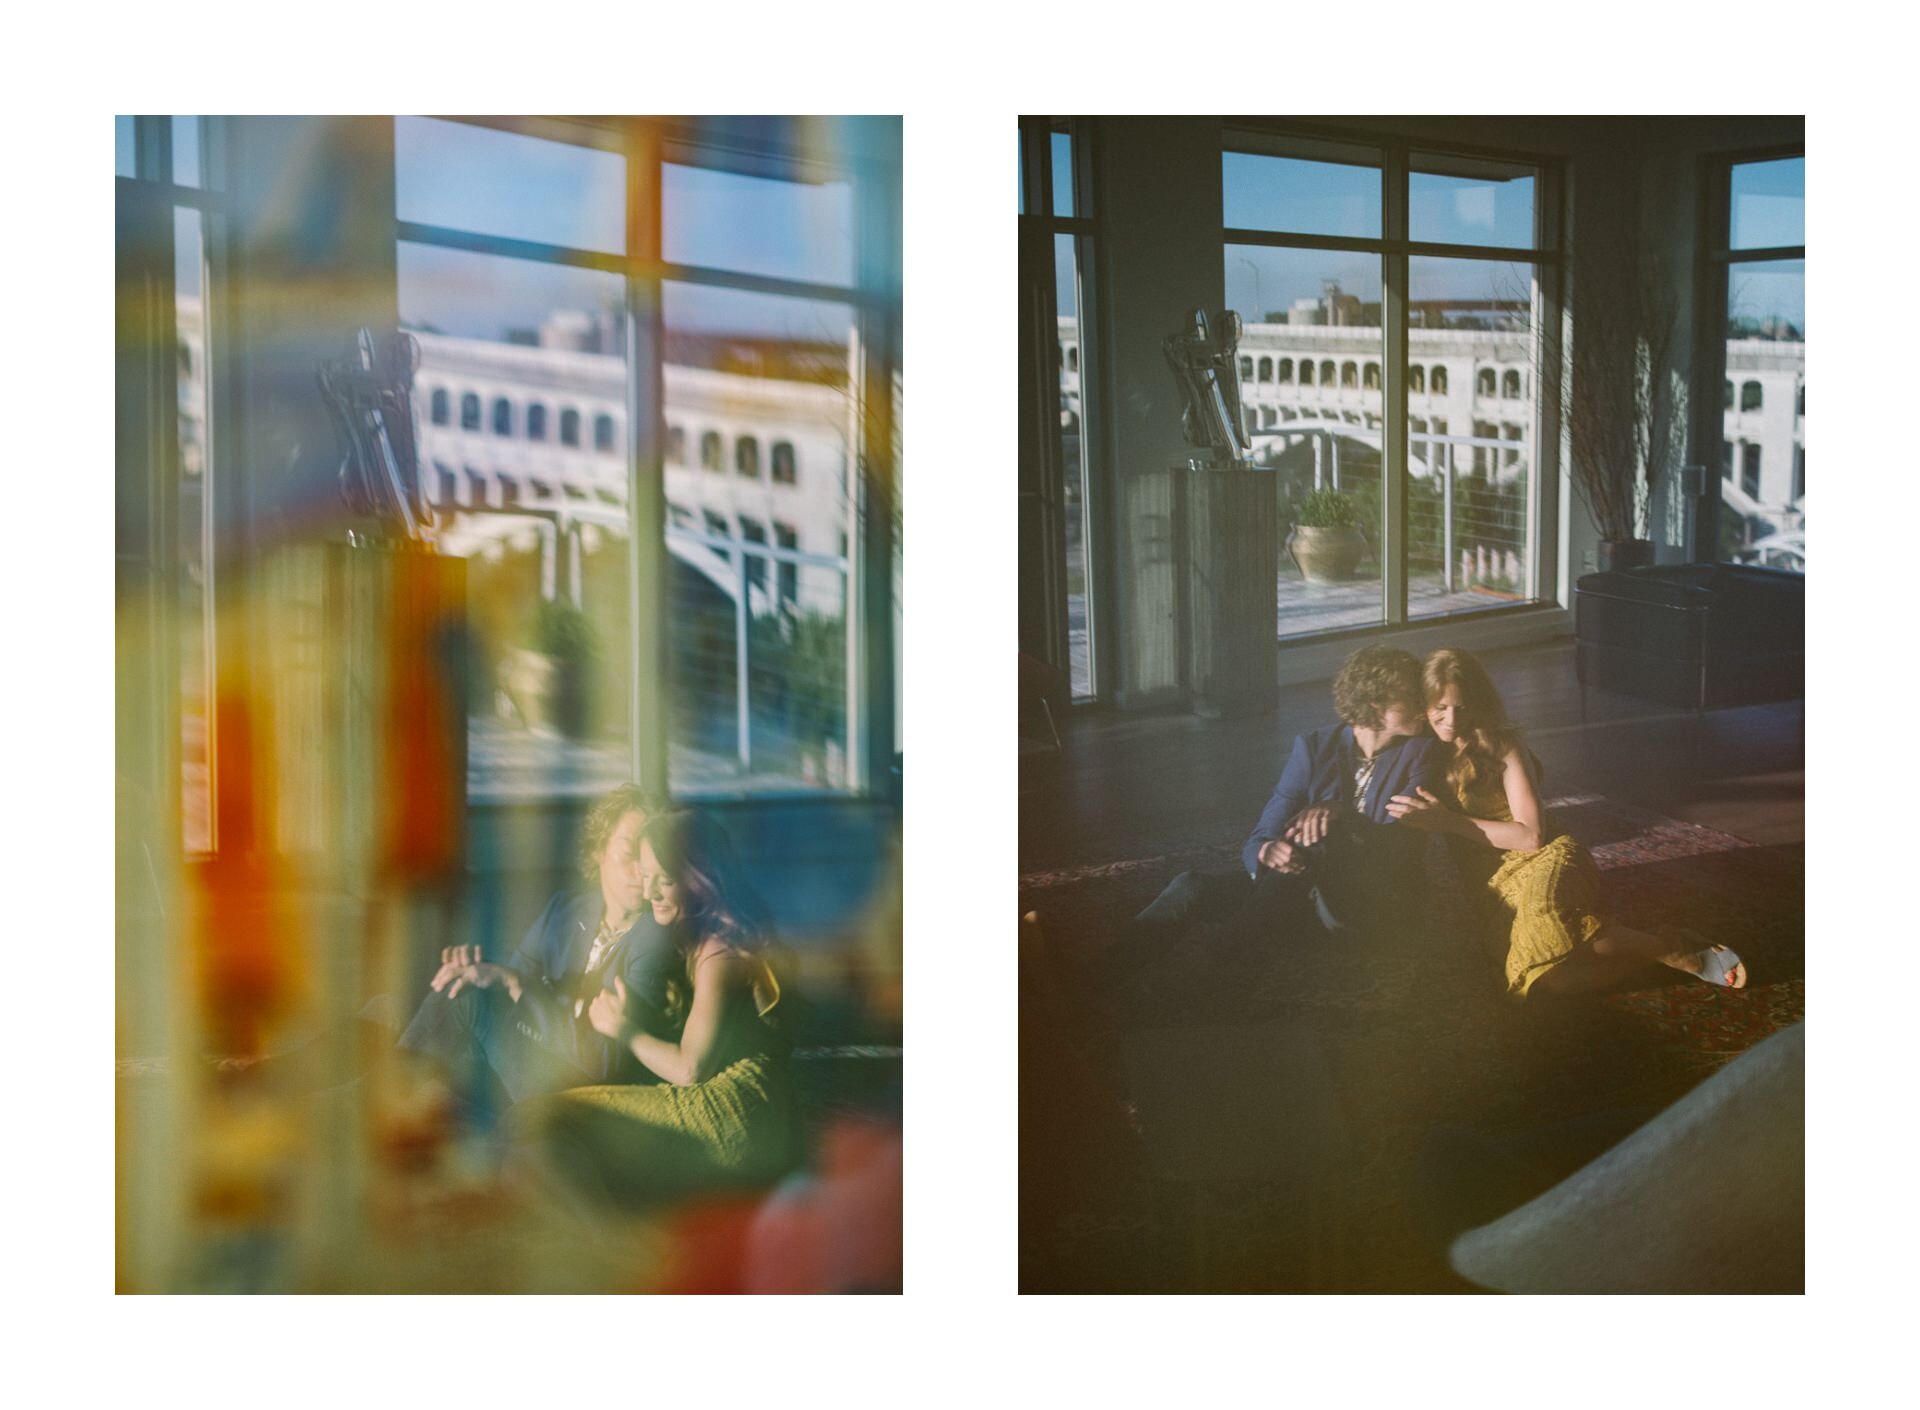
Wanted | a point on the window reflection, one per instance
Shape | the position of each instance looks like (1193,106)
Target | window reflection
(543,526)
(759,657)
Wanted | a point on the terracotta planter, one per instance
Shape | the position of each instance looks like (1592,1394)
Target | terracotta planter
(1615,554)
(1326,555)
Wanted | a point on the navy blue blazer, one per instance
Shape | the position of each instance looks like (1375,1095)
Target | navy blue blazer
(1320,770)
(553,956)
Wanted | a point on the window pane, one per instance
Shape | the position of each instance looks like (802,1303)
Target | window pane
(503,183)
(1317,314)
(196,548)
(186,151)
(1470,542)
(1073,463)
(543,526)
(757,225)
(1301,197)
(1063,173)
(1762,507)
(123,146)
(759,633)
(1471,210)
(1770,204)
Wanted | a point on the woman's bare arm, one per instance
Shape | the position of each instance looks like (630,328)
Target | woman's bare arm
(720,980)
(1526,833)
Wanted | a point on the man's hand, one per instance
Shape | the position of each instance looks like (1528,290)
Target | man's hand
(608,1011)
(1422,810)
(1280,855)
(1310,825)
(461,967)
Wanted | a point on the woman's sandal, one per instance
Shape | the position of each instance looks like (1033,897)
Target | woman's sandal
(1722,967)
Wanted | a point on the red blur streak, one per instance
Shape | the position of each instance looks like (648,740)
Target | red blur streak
(425,792)
(246,933)
(837,1232)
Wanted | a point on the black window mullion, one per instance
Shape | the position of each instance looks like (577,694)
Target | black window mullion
(1393,400)
(649,684)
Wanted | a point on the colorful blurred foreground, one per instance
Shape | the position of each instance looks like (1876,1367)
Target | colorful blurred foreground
(260,1150)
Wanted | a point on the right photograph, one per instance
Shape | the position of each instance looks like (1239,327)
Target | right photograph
(1412,554)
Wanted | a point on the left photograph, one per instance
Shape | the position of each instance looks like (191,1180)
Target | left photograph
(508,744)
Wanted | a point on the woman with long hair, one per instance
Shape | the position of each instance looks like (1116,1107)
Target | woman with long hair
(1543,884)
(720,1110)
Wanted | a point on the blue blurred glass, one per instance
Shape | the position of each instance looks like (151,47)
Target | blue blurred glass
(757,225)
(1470,210)
(186,151)
(1770,204)
(123,145)
(1299,197)
(490,182)
(503,300)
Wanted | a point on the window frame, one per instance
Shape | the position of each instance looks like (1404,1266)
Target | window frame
(1398,157)
(1712,269)
(154,194)
(1039,223)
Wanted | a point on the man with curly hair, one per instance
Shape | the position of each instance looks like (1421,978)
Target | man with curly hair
(1326,850)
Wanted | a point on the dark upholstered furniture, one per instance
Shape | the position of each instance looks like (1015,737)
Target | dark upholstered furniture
(1701,635)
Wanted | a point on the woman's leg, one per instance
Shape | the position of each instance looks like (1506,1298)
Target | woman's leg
(1714,964)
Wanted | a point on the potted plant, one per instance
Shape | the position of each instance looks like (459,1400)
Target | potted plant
(564,636)
(1326,543)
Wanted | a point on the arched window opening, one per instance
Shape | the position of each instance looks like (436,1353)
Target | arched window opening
(442,407)
(502,417)
(1510,385)
(746,457)
(536,422)
(1749,396)
(1483,382)
(470,412)
(569,427)
(1370,377)
(1437,379)
(710,451)
(603,432)
(785,469)
(1286,369)
(1417,379)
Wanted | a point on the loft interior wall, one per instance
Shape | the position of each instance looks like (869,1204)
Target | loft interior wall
(1157,205)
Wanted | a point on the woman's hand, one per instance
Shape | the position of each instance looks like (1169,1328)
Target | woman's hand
(1310,825)
(1422,810)
(608,1011)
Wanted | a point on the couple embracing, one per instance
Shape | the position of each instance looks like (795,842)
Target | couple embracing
(1424,748)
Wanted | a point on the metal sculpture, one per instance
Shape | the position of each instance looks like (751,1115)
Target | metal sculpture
(371,398)
(1206,365)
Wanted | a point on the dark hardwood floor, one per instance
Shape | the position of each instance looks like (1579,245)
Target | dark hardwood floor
(1122,782)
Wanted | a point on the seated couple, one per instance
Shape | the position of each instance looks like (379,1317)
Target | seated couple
(1341,842)
(634,1027)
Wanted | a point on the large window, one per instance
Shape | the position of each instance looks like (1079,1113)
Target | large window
(1056,211)
(1351,262)
(1762,244)
(729,308)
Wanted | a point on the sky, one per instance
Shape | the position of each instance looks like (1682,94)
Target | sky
(508,184)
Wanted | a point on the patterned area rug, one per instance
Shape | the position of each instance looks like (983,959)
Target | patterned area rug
(1456,1102)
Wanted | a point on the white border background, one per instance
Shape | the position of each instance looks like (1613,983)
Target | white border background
(960,75)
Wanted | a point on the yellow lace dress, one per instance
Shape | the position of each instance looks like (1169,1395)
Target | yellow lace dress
(1545,902)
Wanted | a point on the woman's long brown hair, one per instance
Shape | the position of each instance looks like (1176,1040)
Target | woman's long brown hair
(1488,737)
(717,900)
